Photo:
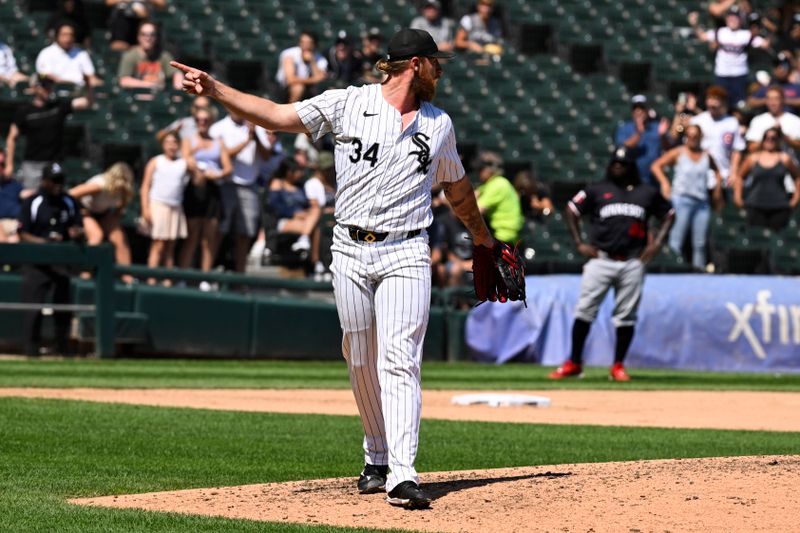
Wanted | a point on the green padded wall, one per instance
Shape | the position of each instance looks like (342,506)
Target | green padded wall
(190,322)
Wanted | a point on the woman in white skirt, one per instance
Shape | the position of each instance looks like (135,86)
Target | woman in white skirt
(165,178)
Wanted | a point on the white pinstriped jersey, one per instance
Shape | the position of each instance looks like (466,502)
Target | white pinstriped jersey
(384,174)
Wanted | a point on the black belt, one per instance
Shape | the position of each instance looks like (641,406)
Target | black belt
(360,234)
(618,257)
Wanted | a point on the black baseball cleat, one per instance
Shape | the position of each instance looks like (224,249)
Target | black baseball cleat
(408,495)
(373,479)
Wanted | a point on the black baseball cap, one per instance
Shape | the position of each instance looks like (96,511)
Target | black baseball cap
(54,172)
(408,43)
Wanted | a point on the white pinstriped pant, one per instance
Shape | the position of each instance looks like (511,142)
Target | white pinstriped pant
(383,292)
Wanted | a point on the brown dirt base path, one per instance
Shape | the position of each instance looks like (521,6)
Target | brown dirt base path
(768,411)
(720,494)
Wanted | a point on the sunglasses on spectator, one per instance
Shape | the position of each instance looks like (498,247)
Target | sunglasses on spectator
(147,34)
(771,138)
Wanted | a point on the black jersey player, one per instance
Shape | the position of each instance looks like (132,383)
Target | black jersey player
(618,250)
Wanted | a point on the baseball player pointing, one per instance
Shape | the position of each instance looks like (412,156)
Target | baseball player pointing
(392,146)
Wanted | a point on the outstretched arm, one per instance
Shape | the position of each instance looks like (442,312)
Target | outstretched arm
(461,196)
(260,111)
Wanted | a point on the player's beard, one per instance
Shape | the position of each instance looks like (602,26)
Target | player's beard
(424,86)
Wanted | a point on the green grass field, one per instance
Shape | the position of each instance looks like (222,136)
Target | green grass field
(304,375)
(54,450)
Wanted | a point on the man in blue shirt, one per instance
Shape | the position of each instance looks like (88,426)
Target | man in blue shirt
(642,136)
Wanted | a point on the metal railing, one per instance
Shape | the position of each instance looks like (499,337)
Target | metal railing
(100,259)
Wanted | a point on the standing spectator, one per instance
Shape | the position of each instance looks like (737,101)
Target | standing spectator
(41,122)
(290,205)
(72,12)
(65,62)
(344,64)
(50,215)
(126,15)
(104,198)
(371,52)
(441,28)
(9,73)
(186,127)
(761,188)
(789,123)
(642,136)
(320,189)
(301,68)
(10,202)
(240,202)
(482,31)
(721,135)
(732,42)
(498,200)
(208,163)
(689,193)
(165,178)
(146,65)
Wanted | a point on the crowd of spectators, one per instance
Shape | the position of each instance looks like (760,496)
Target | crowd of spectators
(734,144)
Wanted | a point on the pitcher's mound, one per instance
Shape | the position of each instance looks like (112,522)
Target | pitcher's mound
(718,494)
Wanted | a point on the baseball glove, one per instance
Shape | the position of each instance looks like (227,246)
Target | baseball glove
(498,273)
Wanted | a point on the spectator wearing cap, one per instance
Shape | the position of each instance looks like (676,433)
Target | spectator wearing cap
(721,135)
(498,200)
(10,202)
(241,207)
(320,189)
(732,43)
(642,136)
(146,65)
(41,122)
(301,68)
(64,61)
(344,64)
(481,32)
(9,73)
(441,28)
(776,115)
(780,78)
(48,216)
(371,52)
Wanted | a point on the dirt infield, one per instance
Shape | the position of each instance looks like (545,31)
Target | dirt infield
(718,494)
(721,494)
(770,411)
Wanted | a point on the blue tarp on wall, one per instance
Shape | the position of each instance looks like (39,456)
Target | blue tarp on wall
(743,323)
